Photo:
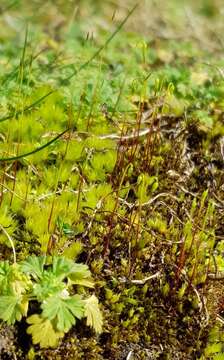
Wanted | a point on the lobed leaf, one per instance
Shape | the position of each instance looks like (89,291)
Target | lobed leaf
(43,332)
(81,275)
(62,267)
(12,280)
(63,311)
(93,314)
(34,266)
(12,308)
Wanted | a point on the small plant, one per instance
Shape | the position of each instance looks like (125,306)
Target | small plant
(51,286)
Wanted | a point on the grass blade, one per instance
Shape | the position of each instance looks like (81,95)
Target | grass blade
(35,150)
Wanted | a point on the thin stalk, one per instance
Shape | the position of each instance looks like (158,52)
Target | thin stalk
(11,242)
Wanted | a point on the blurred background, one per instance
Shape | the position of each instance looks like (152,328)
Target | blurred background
(200,21)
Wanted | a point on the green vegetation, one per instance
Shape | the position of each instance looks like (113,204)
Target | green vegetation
(111,180)
(30,281)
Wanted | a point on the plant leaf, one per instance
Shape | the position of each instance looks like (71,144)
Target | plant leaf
(34,266)
(43,332)
(81,275)
(93,314)
(219,356)
(63,310)
(12,280)
(12,308)
(80,271)
(62,267)
(48,286)
(83,282)
(6,278)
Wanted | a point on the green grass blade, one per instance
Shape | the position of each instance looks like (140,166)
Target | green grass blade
(27,108)
(35,150)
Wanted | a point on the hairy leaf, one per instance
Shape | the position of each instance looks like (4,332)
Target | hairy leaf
(93,314)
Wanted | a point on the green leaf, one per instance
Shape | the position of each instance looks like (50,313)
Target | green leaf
(49,285)
(21,285)
(4,268)
(80,271)
(12,308)
(43,332)
(84,282)
(12,280)
(34,266)
(213,348)
(93,314)
(6,278)
(62,267)
(63,310)
(219,356)
(81,275)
